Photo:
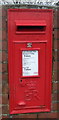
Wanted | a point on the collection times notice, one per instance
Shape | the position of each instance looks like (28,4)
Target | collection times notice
(30,62)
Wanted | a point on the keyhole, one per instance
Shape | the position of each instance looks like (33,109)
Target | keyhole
(20,80)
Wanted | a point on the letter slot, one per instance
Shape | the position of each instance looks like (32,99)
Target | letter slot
(30,27)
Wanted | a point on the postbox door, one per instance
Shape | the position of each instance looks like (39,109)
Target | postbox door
(29,75)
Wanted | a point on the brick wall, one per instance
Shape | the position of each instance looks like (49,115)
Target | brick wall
(0,60)
(55,82)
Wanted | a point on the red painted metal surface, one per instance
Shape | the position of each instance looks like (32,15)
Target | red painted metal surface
(30,35)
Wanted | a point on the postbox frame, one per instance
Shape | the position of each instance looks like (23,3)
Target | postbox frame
(11,45)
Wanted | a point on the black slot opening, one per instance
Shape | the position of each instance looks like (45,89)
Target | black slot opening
(30,28)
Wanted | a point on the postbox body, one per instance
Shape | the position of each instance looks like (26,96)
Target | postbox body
(30,60)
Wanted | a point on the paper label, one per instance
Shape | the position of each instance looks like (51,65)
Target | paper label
(30,63)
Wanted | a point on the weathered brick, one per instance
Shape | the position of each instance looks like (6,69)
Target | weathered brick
(0,67)
(4,67)
(4,56)
(56,19)
(55,56)
(25,116)
(58,75)
(55,96)
(47,115)
(0,110)
(4,12)
(5,109)
(4,116)
(56,34)
(55,66)
(5,76)
(56,107)
(55,44)
(0,116)
(55,77)
(5,88)
(0,36)
(56,22)
(58,55)
(0,56)
(55,86)
(4,35)
(5,99)
(0,24)
(0,88)
(4,25)
(0,45)
(4,45)
(0,78)
(0,98)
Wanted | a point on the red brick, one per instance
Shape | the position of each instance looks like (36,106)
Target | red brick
(5,88)
(0,37)
(58,115)
(52,58)
(55,22)
(1,8)
(1,27)
(55,65)
(0,67)
(4,35)
(55,76)
(56,86)
(48,115)
(55,56)
(56,19)
(55,44)
(55,96)
(0,99)
(26,116)
(0,56)
(0,30)
(56,34)
(0,45)
(5,99)
(0,78)
(4,116)
(4,23)
(4,68)
(5,109)
(4,13)
(58,96)
(5,76)
(0,110)
(56,107)
(57,12)
(58,75)
(4,56)
(4,45)
(0,88)
(1,117)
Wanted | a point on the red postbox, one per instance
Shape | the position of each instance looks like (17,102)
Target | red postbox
(30,59)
